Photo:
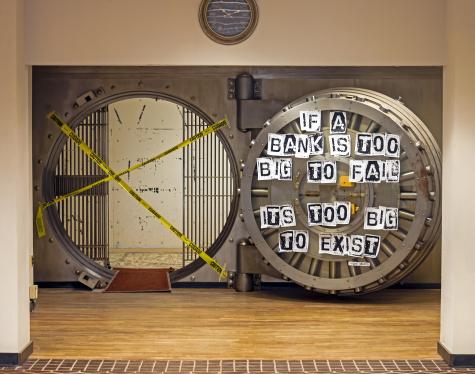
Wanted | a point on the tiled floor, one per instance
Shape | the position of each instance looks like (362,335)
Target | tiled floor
(146,258)
(219,324)
(235,366)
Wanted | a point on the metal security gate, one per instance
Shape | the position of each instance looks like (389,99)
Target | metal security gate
(208,186)
(85,217)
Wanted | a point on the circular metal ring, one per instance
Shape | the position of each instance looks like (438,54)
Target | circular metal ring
(52,216)
(417,196)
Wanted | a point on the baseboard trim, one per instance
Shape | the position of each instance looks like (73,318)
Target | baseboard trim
(454,359)
(16,358)
(199,285)
(416,286)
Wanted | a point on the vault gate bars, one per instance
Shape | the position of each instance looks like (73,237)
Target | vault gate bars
(208,186)
(85,217)
(111,175)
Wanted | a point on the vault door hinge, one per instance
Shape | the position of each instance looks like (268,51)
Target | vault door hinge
(244,87)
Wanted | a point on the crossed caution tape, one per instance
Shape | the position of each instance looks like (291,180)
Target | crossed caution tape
(69,132)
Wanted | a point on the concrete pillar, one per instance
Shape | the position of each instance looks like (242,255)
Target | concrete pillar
(15,188)
(457,336)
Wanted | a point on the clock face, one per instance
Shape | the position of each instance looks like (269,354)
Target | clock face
(228,21)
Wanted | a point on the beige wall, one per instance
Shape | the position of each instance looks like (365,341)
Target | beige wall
(290,32)
(15,186)
(132,140)
(458,225)
(300,32)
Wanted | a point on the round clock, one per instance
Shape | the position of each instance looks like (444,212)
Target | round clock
(228,21)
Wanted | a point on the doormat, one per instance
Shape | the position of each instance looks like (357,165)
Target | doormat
(140,280)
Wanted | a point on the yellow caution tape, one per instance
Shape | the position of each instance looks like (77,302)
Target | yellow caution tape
(116,176)
(210,129)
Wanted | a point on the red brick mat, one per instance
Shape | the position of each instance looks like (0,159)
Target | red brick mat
(140,280)
(236,366)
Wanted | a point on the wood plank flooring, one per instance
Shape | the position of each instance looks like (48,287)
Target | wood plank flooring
(206,324)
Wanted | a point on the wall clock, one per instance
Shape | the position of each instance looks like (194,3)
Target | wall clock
(228,21)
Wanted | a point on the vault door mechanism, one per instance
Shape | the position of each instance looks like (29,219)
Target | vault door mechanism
(416,195)
(80,223)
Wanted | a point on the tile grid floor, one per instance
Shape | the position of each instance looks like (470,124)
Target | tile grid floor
(234,366)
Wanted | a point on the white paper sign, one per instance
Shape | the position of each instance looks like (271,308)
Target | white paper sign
(328,214)
(338,123)
(289,144)
(391,221)
(363,144)
(325,245)
(302,148)
(287,216)
(378,145)
(335,245)
(340,145)
(283,169)
(373,218)
(293,241)
(340,244)
(277,216)
(265,168)
(357,171)
(286,241)
(301,241)
(374,171)
(311,121)
(357,243)
(270,216)
(372,244)
(316,144)
(350,245)
(275,144)
(321,172)
(393,168)
(298,145)
(381,218)
(359,263)
(342,212)
(314,214)
(274,168)
(393,145)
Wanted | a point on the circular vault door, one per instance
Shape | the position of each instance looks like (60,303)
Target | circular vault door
(417,195)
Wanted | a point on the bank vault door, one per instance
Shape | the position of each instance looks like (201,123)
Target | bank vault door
(195,188)
(220,196)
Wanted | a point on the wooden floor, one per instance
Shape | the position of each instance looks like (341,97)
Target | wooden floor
(223,324)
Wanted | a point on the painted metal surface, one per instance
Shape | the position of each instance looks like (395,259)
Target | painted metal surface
(76,91)
(417,195)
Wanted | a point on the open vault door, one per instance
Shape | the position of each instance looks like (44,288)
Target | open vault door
(221,173)
(195,188)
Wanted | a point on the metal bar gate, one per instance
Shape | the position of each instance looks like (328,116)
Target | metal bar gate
(208,186)
(85,217)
